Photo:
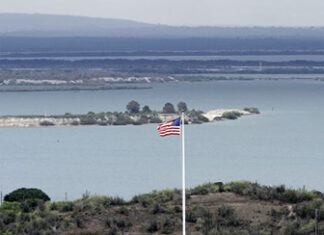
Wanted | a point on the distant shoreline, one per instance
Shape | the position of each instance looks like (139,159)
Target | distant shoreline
(72,88)
(120,119)
(140,82)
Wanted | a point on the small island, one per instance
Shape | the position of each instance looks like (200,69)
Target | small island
(134,115)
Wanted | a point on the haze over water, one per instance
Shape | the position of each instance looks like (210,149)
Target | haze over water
(283,145)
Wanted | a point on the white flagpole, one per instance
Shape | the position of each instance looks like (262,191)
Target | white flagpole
(183,177)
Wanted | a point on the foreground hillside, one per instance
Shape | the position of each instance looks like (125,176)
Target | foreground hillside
(234,208)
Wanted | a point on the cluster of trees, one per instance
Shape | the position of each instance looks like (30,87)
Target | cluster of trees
(134,107)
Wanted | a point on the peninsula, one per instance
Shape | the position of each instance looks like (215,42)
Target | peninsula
(132,116)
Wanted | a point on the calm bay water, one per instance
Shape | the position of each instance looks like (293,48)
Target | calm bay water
(283,145)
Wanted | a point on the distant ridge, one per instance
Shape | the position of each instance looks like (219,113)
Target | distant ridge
(41,25)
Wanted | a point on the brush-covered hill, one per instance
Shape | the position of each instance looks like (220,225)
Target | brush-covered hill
(215,208)
(60,33)
(43,25)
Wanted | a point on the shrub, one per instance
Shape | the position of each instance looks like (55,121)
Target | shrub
(177,209)
(32,203)
(122,223)
(53,206)
(307,209)
(225,211)
(191,216)
(102,123)
(24,194)
(231,115)
(115,201)
(155,120)
(118,223)
(75,123)
(120,123)
(97,200)
(290,196)
(155,196)
(207,188)
(153,226)
(200,190)
(143,120)
(64,206)
(307,228)
(25,207)
(79,221)
(280,193)
(146,109)
(41,205)
(113,231)
(123,120)
(209,222)
(228,214)
(46,123)
(167,230)
(239,187)
(9,217)
(202,118)
(88,120)
(196,121)
(252,110)
(123,210)
(157,209)
(10,206)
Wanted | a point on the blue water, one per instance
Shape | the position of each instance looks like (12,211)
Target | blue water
(283,145)
(203,95)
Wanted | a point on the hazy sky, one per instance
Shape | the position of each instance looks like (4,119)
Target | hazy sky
(184,12)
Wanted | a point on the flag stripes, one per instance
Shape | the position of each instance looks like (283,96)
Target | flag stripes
(170,128)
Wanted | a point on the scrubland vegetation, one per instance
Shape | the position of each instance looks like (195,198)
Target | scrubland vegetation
(213,208)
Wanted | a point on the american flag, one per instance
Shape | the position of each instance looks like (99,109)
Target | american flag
(170,128)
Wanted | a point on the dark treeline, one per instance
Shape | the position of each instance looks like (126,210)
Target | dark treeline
(64,69)
(29,44)
(55,54)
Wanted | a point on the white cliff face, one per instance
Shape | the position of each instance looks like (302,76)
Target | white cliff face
(134,79)
(109,80)
(217,113)
(35,121)
(168,116)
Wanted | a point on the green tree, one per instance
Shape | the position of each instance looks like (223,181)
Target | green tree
(168,108)
(182,107)
(24,194)
(133,106)
(146,109)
